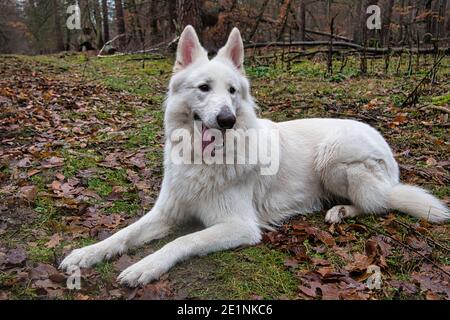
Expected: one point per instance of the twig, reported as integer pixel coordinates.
(413, 94)
(424, 236)
(405, 246)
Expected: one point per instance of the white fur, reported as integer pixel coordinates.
(320, 160)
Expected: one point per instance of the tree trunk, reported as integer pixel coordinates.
(172, 8)
(135, 21)
(120, 22)
(105, 20)
(358, 27)
(98, 25)
(301, 19)
(282, 18)
(189, 13)
(386, 31)
(442, 14)
(58, 32)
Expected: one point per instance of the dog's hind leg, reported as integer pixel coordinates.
(154, 225)
(365, 183)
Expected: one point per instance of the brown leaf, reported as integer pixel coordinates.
(32, 172)
(312, 290)
(54, 241)
(55, 185)
(320, 262)
(420, 245)
(160, 290)
(80, 296)
(29, 193)
(436, 286)
(123, 262)
(16, 256)
(359, 264)
(60, 176)
(57, 278)
(52, 162)
(320, 235)
(330, 291)
(290, 263)
(42, 271)
(23, 163)
(404, 286)
(4, 295)
(325, 271)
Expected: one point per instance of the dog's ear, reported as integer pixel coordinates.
(234, 50)
(189, 49)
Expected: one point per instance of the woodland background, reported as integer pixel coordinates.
(81, 141)
(38, 26)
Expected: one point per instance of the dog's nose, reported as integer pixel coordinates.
(226, 119)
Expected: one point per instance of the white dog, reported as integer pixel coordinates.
(319, 160)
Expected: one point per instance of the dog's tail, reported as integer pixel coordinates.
(418, 203)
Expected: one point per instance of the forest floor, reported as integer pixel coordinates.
(81, 157)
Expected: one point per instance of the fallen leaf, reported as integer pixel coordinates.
(29, 193)
(16, 256)
(54, 241)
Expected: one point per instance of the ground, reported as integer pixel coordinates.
(81, 157)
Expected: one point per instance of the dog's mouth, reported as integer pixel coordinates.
(207, 138)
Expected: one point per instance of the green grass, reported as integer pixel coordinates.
(442, 100)
(101, 187)
(251, 271)
(40, 253)
(73, 164)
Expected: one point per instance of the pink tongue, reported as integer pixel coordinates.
(207, 138)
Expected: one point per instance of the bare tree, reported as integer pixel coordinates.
(98, 24)
(57, 22)
(120, 22)
(189, 13)
(301, 19)
(105, 20)
(386, 27)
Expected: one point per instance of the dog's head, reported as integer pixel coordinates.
(215, 92)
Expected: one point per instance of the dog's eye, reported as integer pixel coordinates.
(232, 90)
(204, 87)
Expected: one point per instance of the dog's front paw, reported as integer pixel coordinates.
(142, 272)
(85, 257)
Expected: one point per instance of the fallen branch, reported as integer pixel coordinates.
(325, 34)
(344, 44)
(108, 43)
(155, 48)
(439, 108)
